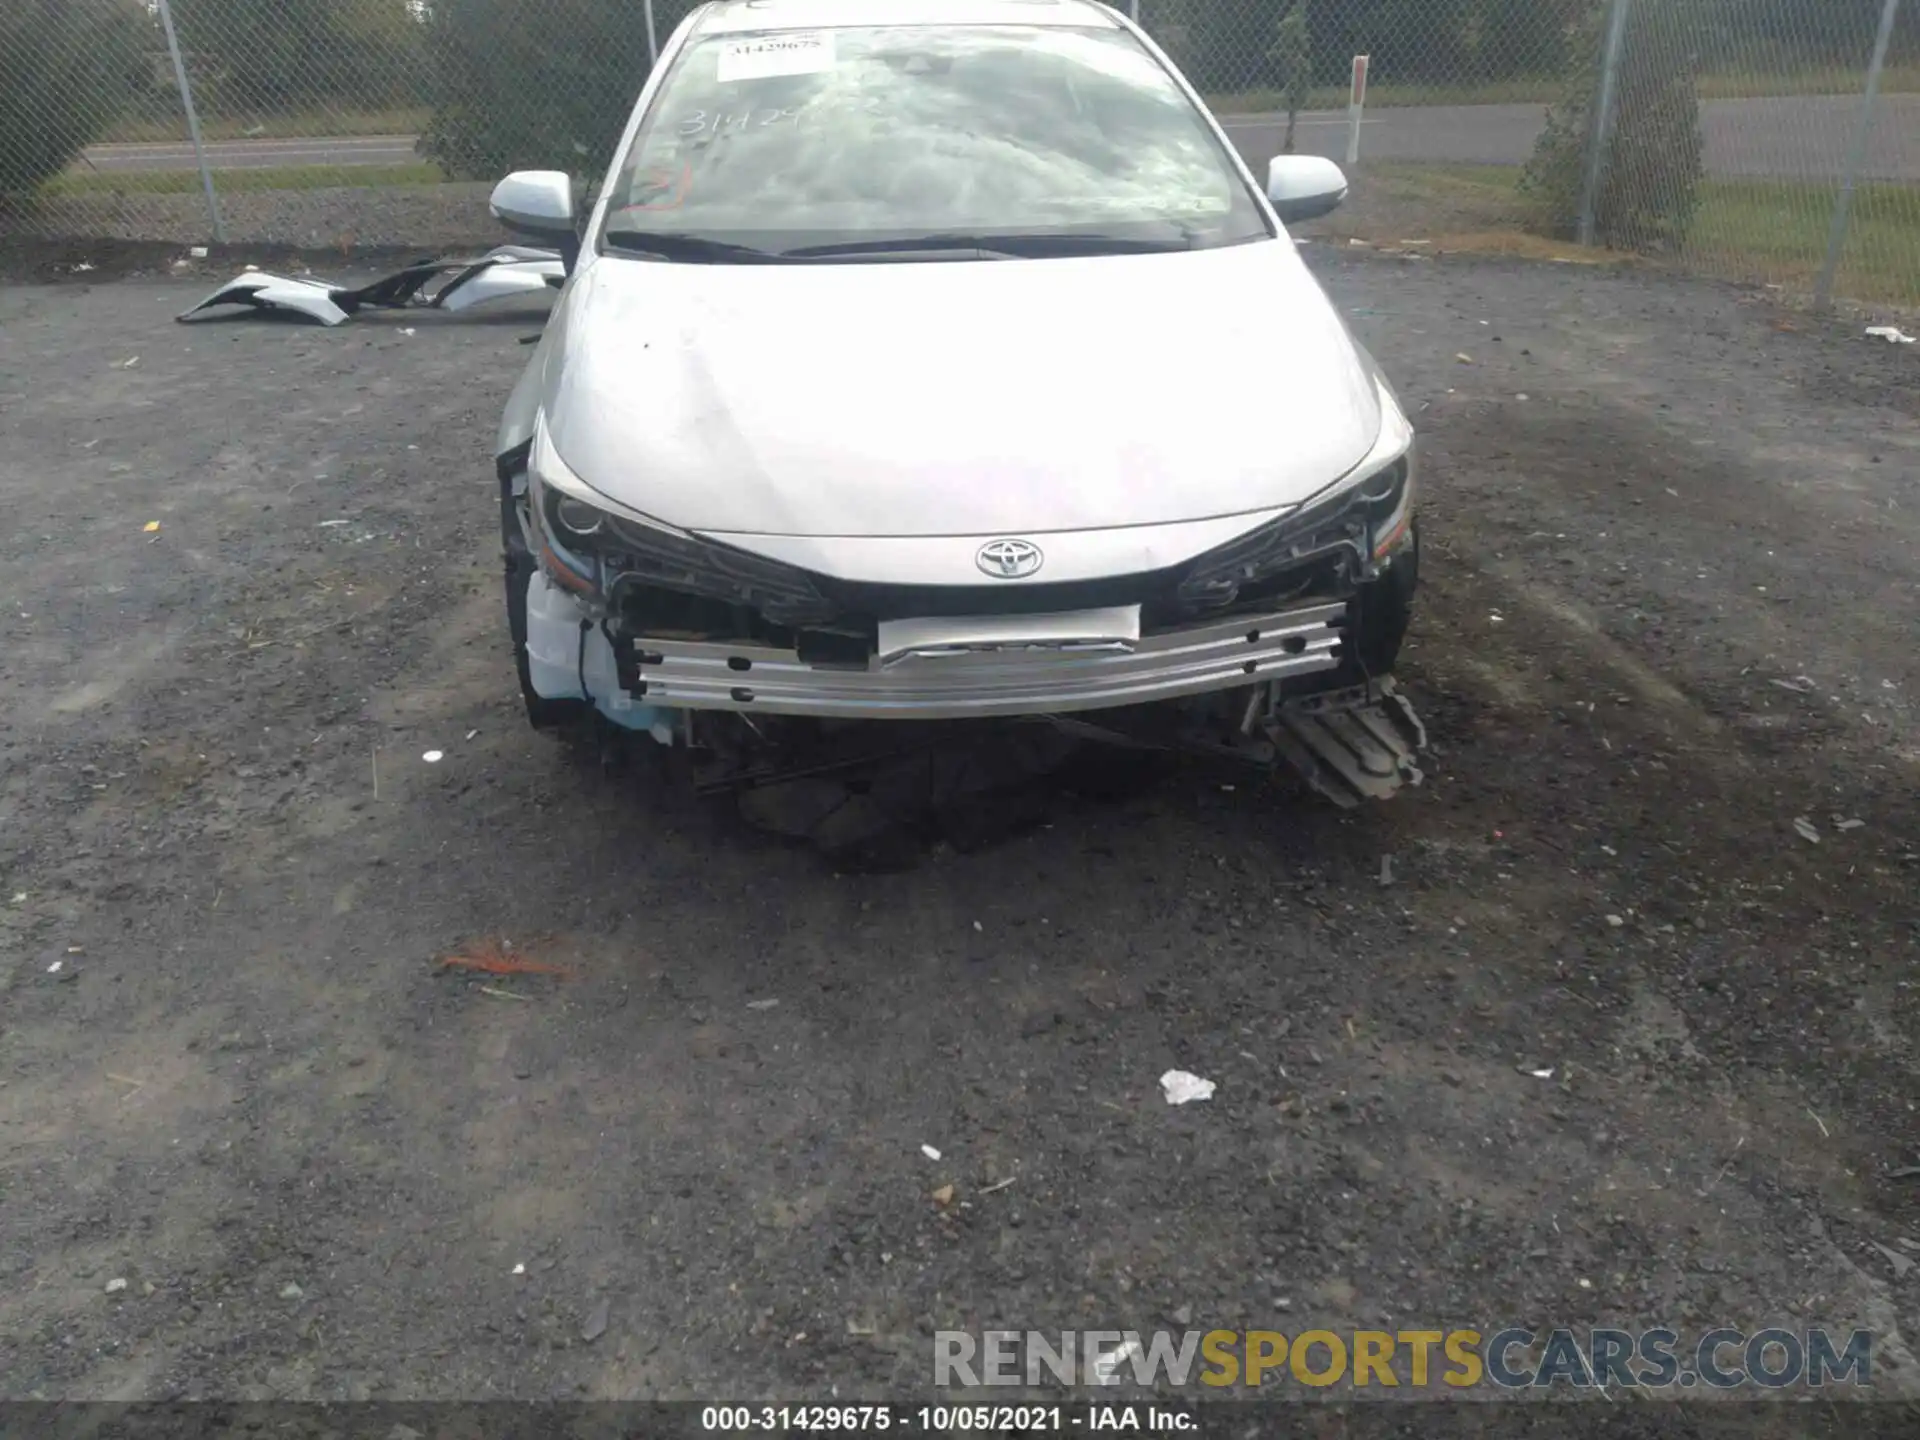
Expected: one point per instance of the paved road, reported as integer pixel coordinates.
(344, 150)
(1802, 137)
(1799, 137)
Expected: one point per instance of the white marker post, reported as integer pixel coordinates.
(1356, 104)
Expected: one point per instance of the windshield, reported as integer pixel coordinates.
(864, 135)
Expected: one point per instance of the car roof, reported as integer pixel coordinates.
(726, 17)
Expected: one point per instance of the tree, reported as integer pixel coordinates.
(272, 56)
(67, 70)
(1651, 169)
(536, 83)
(1293, 53)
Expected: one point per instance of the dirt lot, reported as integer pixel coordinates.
(1671, 588)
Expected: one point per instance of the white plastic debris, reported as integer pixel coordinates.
(1182, 1086)
(1892, 334)
(329, 524)
(433, 757)
(1901, 1264)
(198, 252)
(929, 1152)
(520, 1269)
(1845, 825)
(761, 1004)
(83, 267)
(472, 733)
(55, 967)
(406, 332)
(1546, 1074)
(116, 1285)
(1805, 829)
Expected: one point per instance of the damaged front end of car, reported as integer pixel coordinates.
(1273, 649)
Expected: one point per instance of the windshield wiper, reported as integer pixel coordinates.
(695, 248)
(1000, 246)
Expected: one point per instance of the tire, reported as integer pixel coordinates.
(519, 565)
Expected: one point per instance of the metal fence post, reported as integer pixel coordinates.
(193, 122)
(1600, 133)
(1356, 107)
(1856, 160)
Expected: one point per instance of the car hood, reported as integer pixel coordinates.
(955, 398)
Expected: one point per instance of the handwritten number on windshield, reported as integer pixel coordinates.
(702, 122)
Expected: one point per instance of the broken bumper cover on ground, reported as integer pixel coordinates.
(1006, 666)
(502, 273)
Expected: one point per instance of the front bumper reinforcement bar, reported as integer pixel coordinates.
(1036, 679)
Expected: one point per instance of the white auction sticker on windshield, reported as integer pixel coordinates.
(761, 57)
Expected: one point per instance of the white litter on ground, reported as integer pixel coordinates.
(1892, 334)
(432, 757)
(929, 1152)
(1181, 1086)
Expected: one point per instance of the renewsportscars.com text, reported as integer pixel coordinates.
(1509, 1358)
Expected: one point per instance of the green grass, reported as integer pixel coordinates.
(1897, 79)
(1778, 230)
(1486, 193)
(173, 128)
(232, 182)
(1764, 230)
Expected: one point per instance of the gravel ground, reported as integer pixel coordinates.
(1670, 582)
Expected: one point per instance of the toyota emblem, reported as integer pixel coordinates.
(1009, 559)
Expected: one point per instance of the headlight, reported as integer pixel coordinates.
(613, 547)
(1365, 514)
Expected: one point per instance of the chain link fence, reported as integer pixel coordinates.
(1775, 141)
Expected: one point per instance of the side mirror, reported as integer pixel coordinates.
(1304, 187)
(535, 202)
